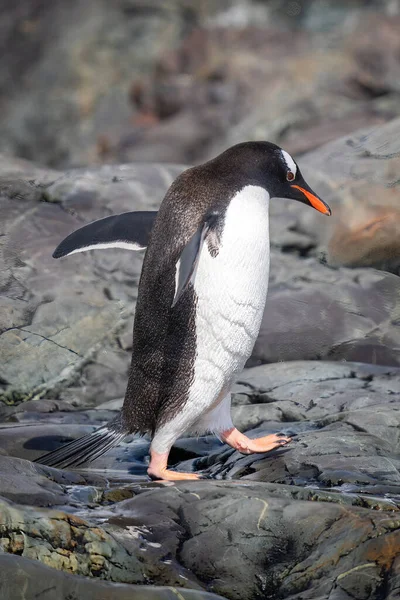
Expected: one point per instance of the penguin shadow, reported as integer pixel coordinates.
(46, 443)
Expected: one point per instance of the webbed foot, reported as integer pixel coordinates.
(246, 445)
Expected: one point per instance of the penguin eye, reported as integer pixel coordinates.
(290, 175)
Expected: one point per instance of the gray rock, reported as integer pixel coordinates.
(65, 541)
(245, 542)
(24, 579)
(236, 539)
(27, 483)
(57, 316)
(314, 312)
(83, 60)
(344, 418)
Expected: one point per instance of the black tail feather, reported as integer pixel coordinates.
(84, 449)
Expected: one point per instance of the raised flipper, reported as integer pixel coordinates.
(189, 259)
(129, 230)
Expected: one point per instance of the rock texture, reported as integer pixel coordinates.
(55, 316)
(241, 540)
(24, 579)
(358, 176)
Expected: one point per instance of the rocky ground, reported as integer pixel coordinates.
(316, 519)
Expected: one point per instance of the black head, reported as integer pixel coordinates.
(267, 165)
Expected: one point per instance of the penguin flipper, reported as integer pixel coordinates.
(83, 450)
(129, 230)
(188, 261)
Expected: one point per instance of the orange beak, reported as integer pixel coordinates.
(314, 201)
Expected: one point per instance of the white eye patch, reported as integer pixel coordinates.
(291, 165)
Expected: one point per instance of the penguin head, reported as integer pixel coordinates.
(269, 166)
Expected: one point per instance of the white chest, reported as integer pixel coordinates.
(231, 289)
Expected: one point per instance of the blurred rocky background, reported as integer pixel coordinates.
(91, 81)
(102, 104)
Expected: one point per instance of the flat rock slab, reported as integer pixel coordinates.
(314, 312)
(37, 485)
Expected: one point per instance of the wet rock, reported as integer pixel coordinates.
(343, 417)
(24, 482)
(244, 542)
(236, 539)
(24, 579)
(66, 542)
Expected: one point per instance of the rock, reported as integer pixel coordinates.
(24, 482)
(272, 542)
(344, 418)
(81, 72)
(313, 312)
(357, 176)
(68, 543)
(60, 319)
(24, 579)
(376, 49)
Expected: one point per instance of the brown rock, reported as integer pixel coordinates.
(358, 177)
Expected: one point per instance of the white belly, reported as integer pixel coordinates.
(231, 290)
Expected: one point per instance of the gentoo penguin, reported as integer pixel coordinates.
(201, 299)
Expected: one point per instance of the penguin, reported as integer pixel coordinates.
(201, 299)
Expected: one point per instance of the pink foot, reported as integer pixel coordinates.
(158, 469)
(245, 445)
